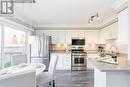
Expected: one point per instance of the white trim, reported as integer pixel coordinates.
(109, 21)
(1, 47)
(120, 5)
(2, 44)
(10, 23)
(66, 28)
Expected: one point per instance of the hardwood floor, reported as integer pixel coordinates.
(74, 78)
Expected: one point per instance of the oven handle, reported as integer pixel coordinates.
(78, 56)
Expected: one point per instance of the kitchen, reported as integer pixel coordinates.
(78, 33)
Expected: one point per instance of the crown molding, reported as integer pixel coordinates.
(109, 21)
(29, 27)
(18, 21)
(66, 25)
(120, 5)
(14, 22)
(66, 28)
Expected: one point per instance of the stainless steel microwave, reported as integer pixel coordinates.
(78, 41)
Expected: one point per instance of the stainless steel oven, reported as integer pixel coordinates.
(79, 60)
(78, 55)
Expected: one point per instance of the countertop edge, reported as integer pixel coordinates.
(105, 67)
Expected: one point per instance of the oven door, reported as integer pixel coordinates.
(78, 61)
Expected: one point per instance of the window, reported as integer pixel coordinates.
(13, 37)
(14, 43)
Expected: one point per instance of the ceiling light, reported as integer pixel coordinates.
(93, 17)
(98, 17)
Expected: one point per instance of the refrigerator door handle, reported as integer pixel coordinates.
(39, 46)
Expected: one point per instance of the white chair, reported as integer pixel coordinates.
(18, 59)
(47, 77)
(22, 79)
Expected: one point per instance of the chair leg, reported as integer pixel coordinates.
(53, 83)
(50, 83)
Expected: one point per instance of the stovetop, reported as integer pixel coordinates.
(78, 52)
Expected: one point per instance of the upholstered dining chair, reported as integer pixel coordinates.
(48, 77)
(18, 59)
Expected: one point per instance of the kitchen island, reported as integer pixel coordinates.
(110, 75)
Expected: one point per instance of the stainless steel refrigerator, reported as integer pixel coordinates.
(40, 48)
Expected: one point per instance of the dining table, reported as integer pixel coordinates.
(23, 67)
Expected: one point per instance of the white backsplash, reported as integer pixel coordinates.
(122, 48)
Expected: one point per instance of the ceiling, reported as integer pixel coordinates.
(45, 13)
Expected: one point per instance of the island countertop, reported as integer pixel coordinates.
(123, 65)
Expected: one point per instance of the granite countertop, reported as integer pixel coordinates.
(64, 51)
(60, 51)
(123, 65)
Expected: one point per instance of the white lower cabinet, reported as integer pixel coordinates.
(64, 61)
(67, 61)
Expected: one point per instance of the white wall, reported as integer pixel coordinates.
(123, 31)
(123, 27)
(129, 30)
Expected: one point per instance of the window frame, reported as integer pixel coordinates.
(2, 33)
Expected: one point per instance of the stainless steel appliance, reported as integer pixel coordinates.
(78, 41)
(78, 58)
(40, 49)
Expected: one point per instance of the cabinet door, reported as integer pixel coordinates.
(123, 27)
(54, 34)
(102, 36)
(115, 30)
(74, 34)
(68, 37)
(59, 65)
(92, 36)
(67, 61)
(108, 32)
(64, 61)
(61, 37)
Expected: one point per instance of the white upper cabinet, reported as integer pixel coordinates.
(68, 37)
(123, 27)
(92, 36)
(114, 30)
(109, 32)
(65, 36)
(60, 37)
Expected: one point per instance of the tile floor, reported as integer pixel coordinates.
(74, 79)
